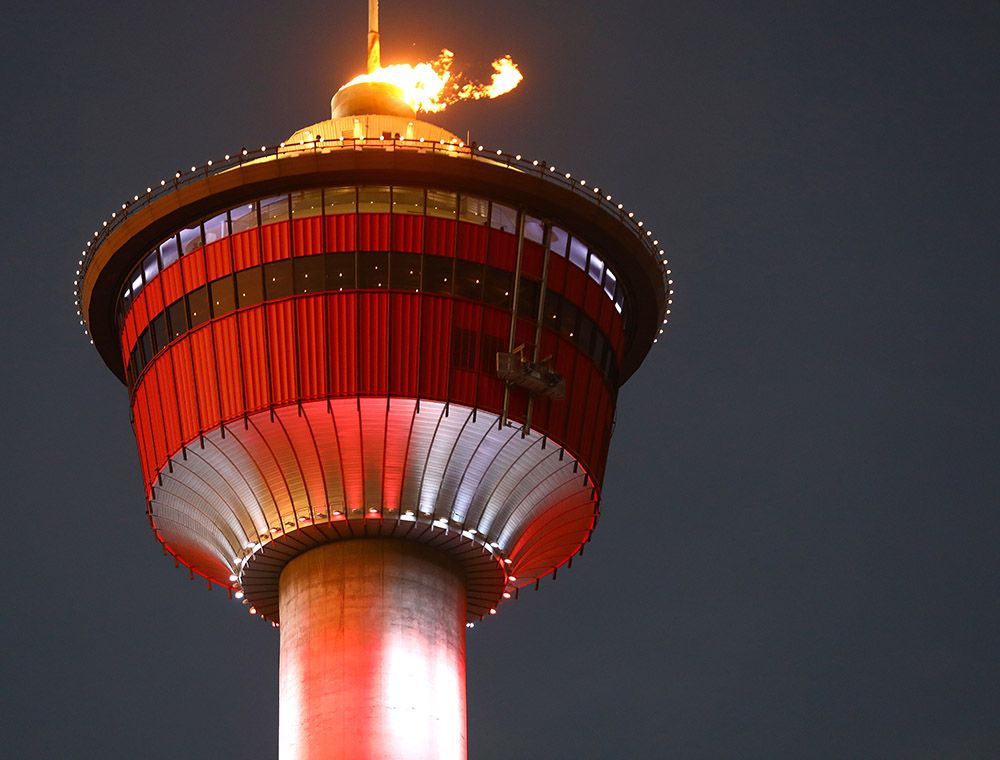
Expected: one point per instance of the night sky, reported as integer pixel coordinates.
(798, 549)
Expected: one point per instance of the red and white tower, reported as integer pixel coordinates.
(372, 373)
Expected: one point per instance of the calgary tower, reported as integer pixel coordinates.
(372, 373)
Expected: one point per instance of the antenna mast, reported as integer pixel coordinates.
(374, 58)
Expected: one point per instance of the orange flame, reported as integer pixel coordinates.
(431, 86)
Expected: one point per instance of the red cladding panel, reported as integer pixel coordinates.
(531, 260)
(407, 233)
(203, 356)
(217, 260)
(275, 241)
(187, 397)
(404, 341)
(503, 250)
(342, 328)
(154, 298)
(311, 341)
(130, 335)
(246, 249)
(173, 286)
(340, 232)
(193, 270)
(168, 402)
(473, 241)
(440, 237)
(307, 235)
(251, 330)
(435, 345)
(281, 351)
(373, 232)
(228, 364)
(373, 328)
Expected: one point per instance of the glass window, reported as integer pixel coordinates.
(136, 281)
(340, 271)
(527, 299)
(339, 200)
(373, 270)
(274, 209)
(497, 287)
(308, 272)
(307, 203)
(216, 228)
(468, 279)
(404, 271)
(408, 200)
(161, 336)
(584, 334)
(474, 210)
(569, 315)
(150, 267)
(557, 241)
(249, 287)
(619, 299)
(609, 283)
(191, 239)
(441, 203)
(223, 296)
(135, 362)
(278, 279)
(177, 314)
(243, 217)
(578, 254)
(373, 199)
(146, 342)
(503, 218)
(169, 252)
(596, 269)
(533, 229)
(438, 276)
(197, 302)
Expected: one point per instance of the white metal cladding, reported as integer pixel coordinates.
(224, 498)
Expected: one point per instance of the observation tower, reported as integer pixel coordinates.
(372, 374)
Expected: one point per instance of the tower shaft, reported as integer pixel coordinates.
(372, 653)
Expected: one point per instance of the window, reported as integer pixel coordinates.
(373, 199)
(243, 217)
(557, 241)
(578, 254)
(274, 209)
(503, 218)
(442, 204)
(408, 200)
(150, 267)
(340, 200)
(527, 299)
(249, 287)
(146, 342)
(169, 252)
(307, 203)
(596, 268)
(534, 230)
(198, 306)
(498, 288)
(619, 300)
(308, 272)
(222, 295)
(136, 281)
(474, 210)
(191, 239)
(159, 329)
(609, 283)
(216, 228)
(340, 271)
(438, 276)
(373, 270)
(404, 271)
(177, 316)
(468, 279)
(278, 279)
(463, 349)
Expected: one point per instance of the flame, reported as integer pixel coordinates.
(431, 86)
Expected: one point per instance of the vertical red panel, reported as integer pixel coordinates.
(473, 241)
(373, 232)
(168, 403)
(465, 318)
(217, 260)
(435, 346)
(307, 235)
(440, 237)
(340, 231)
(576, 282)
(407, 233)
(154, 298)
(173, 285)
(311, 342)
(531, 260)
(503, 250)
(140, 418)
(154, 421)
(246, 249)
(227, 361)
(130, 335)
(275, 241)
(281, 351)
(193, 270)
(495, 334)
(251, 327)
(404, 339)
(205, 377)
(373, 328)
(342, 328)
(187, 398)
(139, 312)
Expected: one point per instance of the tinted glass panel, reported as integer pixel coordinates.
(150, 266)
(340, 271)
(223, 296)
(609, 283)
(373, 199)
(474, 210)
(278, 279)
(503, 218)
(274, 209)
(527, 299)
(408, 200)
(159, 329)
(177, 314)
(308, 274)
(136, 282)
(216, 228)
(191, 239)
(533, 229)
(169, 252)
(442, 204)
(557, 241)
(578, 254)
(373, 270)
(249, 287)
(198, 306)
(339, 200)
(146, 343)
(468, 279)
(498, 286)
(243, 217)
(307, 203)
(596, 270)
(437, 274)
(404, 271)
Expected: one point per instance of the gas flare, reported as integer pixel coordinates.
(432, 86)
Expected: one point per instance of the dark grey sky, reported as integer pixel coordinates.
(798, 550)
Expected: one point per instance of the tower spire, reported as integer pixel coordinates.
(374, 58)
